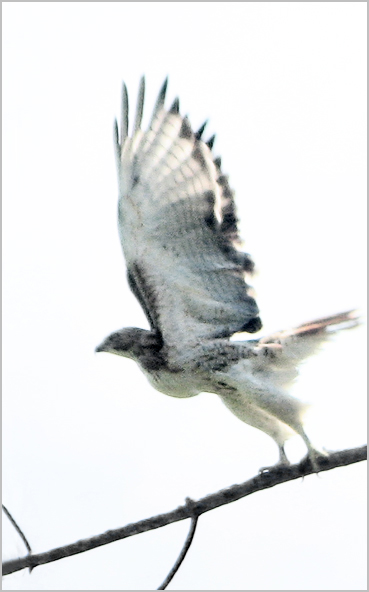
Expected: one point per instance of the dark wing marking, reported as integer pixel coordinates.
(229, 223)
(145, 294)
(210, 142)
(200, 131)
(178, 229)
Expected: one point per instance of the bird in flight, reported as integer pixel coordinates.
(178, 229)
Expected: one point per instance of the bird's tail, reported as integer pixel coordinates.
(325, 325)
(285, 350)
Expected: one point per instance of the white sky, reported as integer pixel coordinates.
(88, 444)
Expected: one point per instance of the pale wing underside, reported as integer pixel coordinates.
(178, 230)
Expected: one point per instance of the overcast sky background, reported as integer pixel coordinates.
(88, 444)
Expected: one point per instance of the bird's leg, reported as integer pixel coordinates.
(283, 461)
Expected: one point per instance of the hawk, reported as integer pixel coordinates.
(179, 234)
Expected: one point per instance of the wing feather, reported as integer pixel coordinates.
(124, 116)
(178, 226)
(140, 104)
(160, 100)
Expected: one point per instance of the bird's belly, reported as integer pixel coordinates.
(174, 384)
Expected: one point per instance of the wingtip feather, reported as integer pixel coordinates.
(175, 106)
(124, 115)
(210, 142)
(140, 104)
(161, 98)
(200, 131)
(116, 135)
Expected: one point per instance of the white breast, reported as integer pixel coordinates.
(181, 384)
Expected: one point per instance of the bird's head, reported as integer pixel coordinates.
(130, 342)
(122, 343)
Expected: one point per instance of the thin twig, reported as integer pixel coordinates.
(262, 481)
(183, 552)
(17, 528)
(19, 531)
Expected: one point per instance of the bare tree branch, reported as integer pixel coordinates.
(185, 548)
(264, 480)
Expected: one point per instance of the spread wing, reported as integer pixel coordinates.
(178, 229)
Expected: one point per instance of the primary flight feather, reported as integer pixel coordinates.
(178, 230)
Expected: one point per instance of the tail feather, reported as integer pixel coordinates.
(319, 326)
(283, 351)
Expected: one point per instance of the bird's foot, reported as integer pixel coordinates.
(283, 462)
(315, 459)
